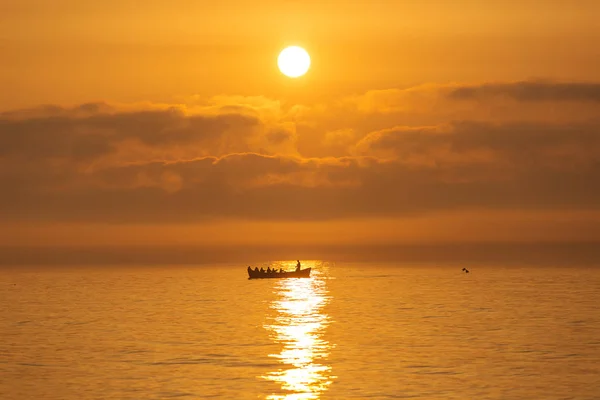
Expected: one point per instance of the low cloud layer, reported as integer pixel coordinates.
(530, 91)
(381, 154)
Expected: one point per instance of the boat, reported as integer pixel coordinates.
(303, 273)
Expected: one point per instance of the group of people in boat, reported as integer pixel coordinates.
(272, 271)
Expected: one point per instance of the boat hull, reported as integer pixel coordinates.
(303, 273)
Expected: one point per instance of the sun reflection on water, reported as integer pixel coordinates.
(298, 324)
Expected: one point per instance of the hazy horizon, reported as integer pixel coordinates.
(483, 254)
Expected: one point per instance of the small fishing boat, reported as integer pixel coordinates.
(303, 273)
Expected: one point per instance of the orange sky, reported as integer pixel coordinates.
(419, 122)
(73, 51)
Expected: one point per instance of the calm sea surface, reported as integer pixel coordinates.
(351, 331)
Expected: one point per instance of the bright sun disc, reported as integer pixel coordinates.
(293, 61)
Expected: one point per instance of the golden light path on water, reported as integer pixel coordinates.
(298, 324)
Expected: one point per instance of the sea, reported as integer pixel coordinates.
(350, 331)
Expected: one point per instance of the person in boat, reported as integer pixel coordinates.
(298, 265)
(280, 270)
(255, 269)
(269, 270)
(262, 269)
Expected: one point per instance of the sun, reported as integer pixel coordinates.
(293, 61)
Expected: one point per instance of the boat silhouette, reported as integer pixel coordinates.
(253, 274)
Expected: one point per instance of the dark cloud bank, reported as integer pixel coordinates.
(165, 166)
(530, 91)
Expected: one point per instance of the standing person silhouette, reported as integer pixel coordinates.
(298, 265)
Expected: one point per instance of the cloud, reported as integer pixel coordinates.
(339, 138)
(513, 145)
(253, 158)
(253, 186)
(529, 91)
(57, 133)
(489, 102)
